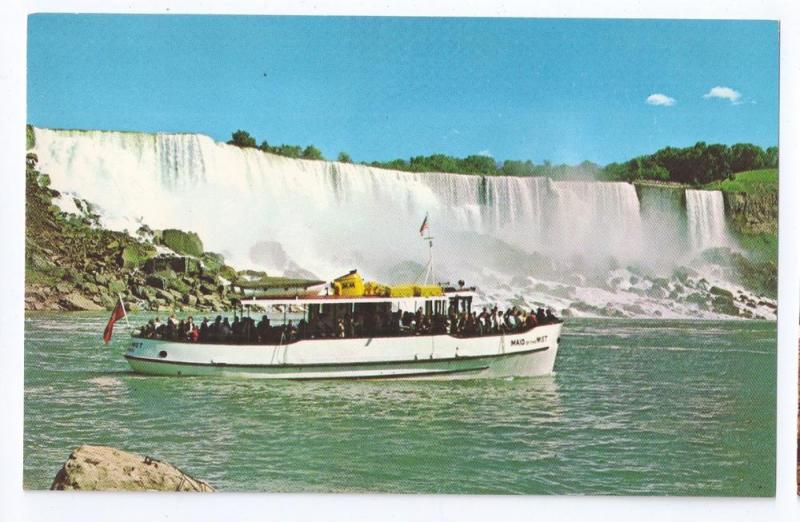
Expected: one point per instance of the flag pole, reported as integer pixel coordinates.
(428, 274)
(429, 239)
(124, 312)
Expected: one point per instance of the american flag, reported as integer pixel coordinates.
(424, 226)
(117, 314)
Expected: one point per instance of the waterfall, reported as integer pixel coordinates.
(705, 211)
(596, 217)
(559, 241)
(271, 212)
(329, 216)
(664, 223)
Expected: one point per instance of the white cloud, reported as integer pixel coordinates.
(726, 93)
(660, 99)
(485, 153)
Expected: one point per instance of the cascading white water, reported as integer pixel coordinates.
(596, 217)
(328, 216)
(509, 235)
(705, 211)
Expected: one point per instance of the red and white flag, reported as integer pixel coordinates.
(117, 314)
(424, 226)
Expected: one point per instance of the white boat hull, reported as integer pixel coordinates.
(523, 354)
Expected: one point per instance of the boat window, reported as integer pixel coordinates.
(313, 311)
(363, 308)
(336, 310)
(461, 304)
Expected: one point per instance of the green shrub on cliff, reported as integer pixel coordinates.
(30, 137)
(135, 254)
(116, 287)
(178, 285)
(212, 261)
(311, 152)
(242, 138)
(187, 243)
(228, 272)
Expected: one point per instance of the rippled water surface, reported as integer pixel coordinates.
(635, 407)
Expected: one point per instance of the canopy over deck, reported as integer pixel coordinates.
(272, 283)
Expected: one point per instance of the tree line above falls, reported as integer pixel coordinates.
(699, 164)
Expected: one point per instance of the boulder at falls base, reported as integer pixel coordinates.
(103, 468)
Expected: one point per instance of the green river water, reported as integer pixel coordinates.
(634, 407)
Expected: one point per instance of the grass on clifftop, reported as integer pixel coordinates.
(750, 181)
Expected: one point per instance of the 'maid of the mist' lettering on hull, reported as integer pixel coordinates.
(525, 342)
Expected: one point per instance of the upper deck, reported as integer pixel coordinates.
(350, 293)
(467, 294)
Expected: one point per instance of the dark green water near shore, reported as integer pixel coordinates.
(635, 407)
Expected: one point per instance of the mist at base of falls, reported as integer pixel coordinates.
(518, 239)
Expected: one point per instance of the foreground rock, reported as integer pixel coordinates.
(103, 468)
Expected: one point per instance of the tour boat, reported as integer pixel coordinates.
(377, 349)
(403, 353)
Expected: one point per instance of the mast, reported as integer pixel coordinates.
(429, 270)
(124, 312)
(426, 229)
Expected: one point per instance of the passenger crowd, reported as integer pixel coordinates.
(245, 330)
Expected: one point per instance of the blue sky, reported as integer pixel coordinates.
(382, 88)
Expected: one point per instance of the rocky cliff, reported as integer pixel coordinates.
(752, 213)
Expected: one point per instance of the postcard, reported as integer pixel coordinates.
(511, 256)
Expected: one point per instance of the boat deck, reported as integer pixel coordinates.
(281, 339)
